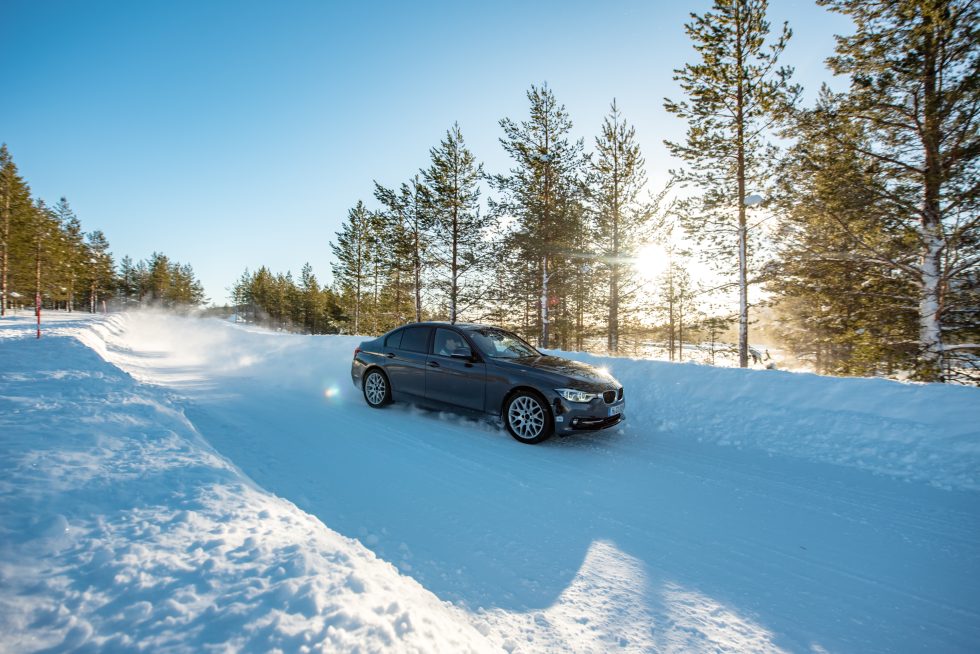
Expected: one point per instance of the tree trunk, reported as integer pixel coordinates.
(6, 246)
(613, 339)
(376, 311)
(454, 268)
(417, 265)
(544, 301)
(680, 328)
(670, 314)
(37, 286)
(743, 291)
(546, 240)
(931, 228)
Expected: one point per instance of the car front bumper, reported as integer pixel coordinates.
(574, 417)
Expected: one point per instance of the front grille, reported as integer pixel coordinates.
(609, 397)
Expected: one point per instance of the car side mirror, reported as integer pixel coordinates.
(462, 353)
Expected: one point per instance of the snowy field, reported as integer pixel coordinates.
(172, 484)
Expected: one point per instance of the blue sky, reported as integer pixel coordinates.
(234, 134)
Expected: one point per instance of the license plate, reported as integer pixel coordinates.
(615, 411)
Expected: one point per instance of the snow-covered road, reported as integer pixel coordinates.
(735, 511)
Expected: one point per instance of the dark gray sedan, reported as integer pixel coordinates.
(484, 370)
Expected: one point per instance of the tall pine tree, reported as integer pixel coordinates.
(623, 222)
(461, 242)
(16, 213)
(543, 193)
(734, 94)
(352, 265)
(914, 67)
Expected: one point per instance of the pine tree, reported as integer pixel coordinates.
(142, 280)
(312, 299)
(16, 212)
(914, 67)
(352, 251)
(128, 287)
(158, 277)
(542, 192)
(190, 291)
(735, 93)
(623, 222)
(460, 241)
(241, 297)
(74, 251)
(101, 269)
(845, 292)
(393, 246)
(411, 207)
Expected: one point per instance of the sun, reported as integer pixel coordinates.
(650, 261)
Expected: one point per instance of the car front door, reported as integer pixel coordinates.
(406, 358)
(454, 380)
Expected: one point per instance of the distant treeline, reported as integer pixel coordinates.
(277, 301)
(47, 259)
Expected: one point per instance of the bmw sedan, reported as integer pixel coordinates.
(484, 370)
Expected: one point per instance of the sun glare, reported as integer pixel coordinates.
(650, 261)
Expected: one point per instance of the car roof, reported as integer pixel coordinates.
(443, 323)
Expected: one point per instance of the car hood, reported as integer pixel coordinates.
(563, 368)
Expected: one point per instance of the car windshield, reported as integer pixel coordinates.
(498, 344)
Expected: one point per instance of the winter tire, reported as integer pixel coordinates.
(527, 418)
(377, 389)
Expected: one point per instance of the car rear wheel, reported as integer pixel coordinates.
(527, 418)
(377, 390)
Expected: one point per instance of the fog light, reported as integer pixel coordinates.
(574, 421)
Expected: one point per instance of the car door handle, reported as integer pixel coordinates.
(390, 355)
(433, 364)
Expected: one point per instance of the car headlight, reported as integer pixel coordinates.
(573, 395)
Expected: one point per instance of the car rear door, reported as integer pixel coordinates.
(460, 382)
(406, 359)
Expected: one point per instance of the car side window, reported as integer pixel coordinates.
(415, 339)
(447, 341)
(394, 339)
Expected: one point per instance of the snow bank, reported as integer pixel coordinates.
(922, 432)
(121, 528)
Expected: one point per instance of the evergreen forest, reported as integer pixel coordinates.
(48, 261)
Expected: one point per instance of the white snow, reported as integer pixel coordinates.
(188, 485)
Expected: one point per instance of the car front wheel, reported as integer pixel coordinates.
(377, 390)
(527, 418)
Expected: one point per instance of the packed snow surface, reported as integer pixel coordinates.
(174, 484)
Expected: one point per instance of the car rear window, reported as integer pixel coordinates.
(415, 339)
(394, 339)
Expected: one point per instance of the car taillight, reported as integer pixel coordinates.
(357, 351)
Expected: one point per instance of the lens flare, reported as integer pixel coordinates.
(331, 392)
(650, 261)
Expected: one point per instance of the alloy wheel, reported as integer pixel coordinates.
(375, 388)
(526, 417)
